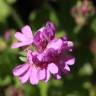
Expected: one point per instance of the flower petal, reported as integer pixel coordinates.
(19, 36)
(27, 31)
(49, 31)
(58, 76)
(20, 44)
(47, 75)
(53, 68)
(41, 74)
(25, 76)
(20, 69)
(55, 44)
(70, 61)
(29, 56)
(66, 68)
(40, 56)
(41, 29)
(51, 25)
(33, 76)
(70, 44)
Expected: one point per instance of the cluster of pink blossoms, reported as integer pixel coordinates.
(50, 55)
(82, 11)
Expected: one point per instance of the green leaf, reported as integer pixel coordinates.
(93, 25)
(11, 1)
(32, 16)
(4, 10)
(53, 17)
(86, 70)
(24, 59)
(23, 53)
(5, 81)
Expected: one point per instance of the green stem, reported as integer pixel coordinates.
(77, 29)
(43, 89)
(15, 16)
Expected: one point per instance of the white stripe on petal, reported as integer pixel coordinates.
(47, 76)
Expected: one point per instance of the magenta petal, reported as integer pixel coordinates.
(67, 68)
(41, 29)
(53, 68)
(47, 76)
(41, 74)
(20, 44)
(70, 44)
(40, 56)
(58, 76)
(33, 76)
(27, 31)
(70, 61)
(19, 36)
(17, 71)
(17, 45)
(25, 76)
(55, 44)
(29, 56)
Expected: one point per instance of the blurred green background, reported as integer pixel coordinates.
(14, 14)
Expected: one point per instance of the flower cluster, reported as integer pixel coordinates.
(50, 55)
(82, 11)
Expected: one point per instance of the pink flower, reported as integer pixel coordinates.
(56, 53)
(7, 36)
(32, 72)
(49, 57)
(25, 38)
(44, 35)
